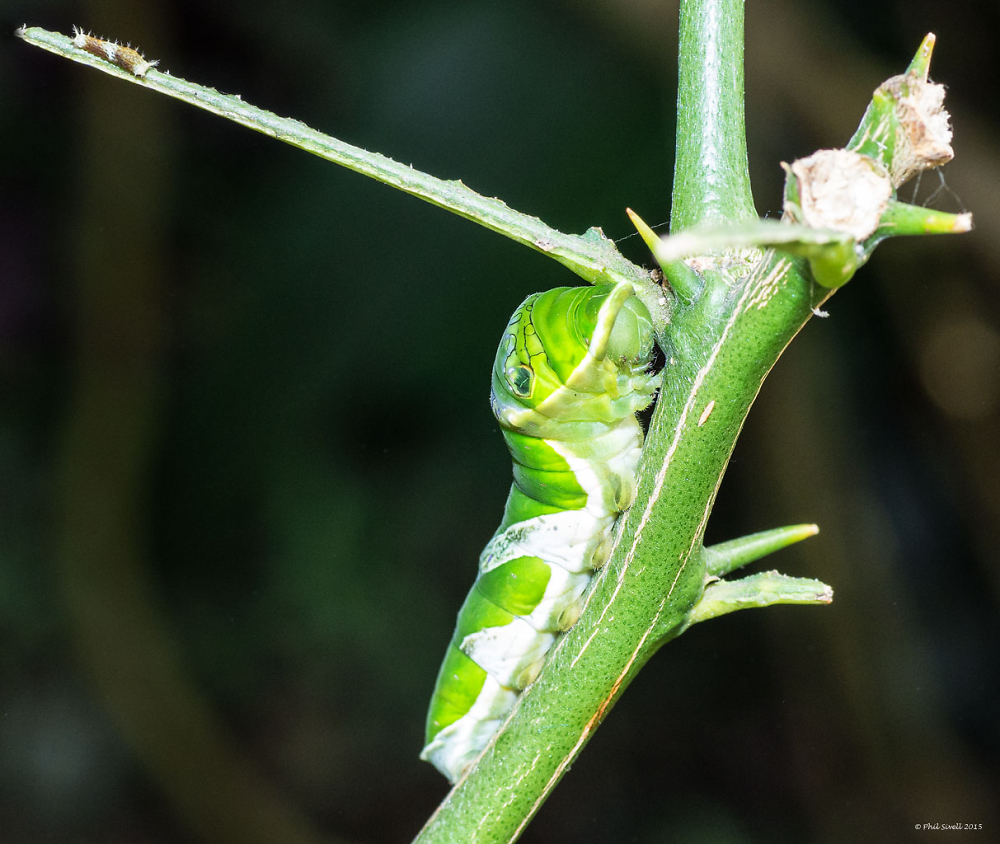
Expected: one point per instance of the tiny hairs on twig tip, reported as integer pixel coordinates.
(124, 57)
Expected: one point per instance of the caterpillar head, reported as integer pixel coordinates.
(574, 354)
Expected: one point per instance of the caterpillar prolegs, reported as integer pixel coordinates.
(569, 376)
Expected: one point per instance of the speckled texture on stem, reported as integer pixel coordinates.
(711, 176)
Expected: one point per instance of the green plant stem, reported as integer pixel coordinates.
(711, 176)
(656, 572)
(727, 331)
(592, 256)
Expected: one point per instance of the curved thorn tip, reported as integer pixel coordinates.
(648, 236)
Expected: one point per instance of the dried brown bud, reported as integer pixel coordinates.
(839, 190)
(923, 137)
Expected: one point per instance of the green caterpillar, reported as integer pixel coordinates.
(568, 379)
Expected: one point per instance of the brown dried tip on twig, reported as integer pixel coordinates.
(923, 139)
(840, 190)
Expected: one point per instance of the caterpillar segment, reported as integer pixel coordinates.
(568, 378)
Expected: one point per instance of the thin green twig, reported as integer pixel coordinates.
(592, 255)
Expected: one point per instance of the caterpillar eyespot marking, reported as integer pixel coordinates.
(125, 57)
(569, 376)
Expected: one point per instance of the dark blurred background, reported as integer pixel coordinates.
(247, 461)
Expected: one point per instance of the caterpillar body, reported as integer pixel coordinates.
(120, 55)
(568, 378)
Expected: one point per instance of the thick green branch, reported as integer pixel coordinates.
(726, 334)
(711, 177)
(656, 572)
(591, 256)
